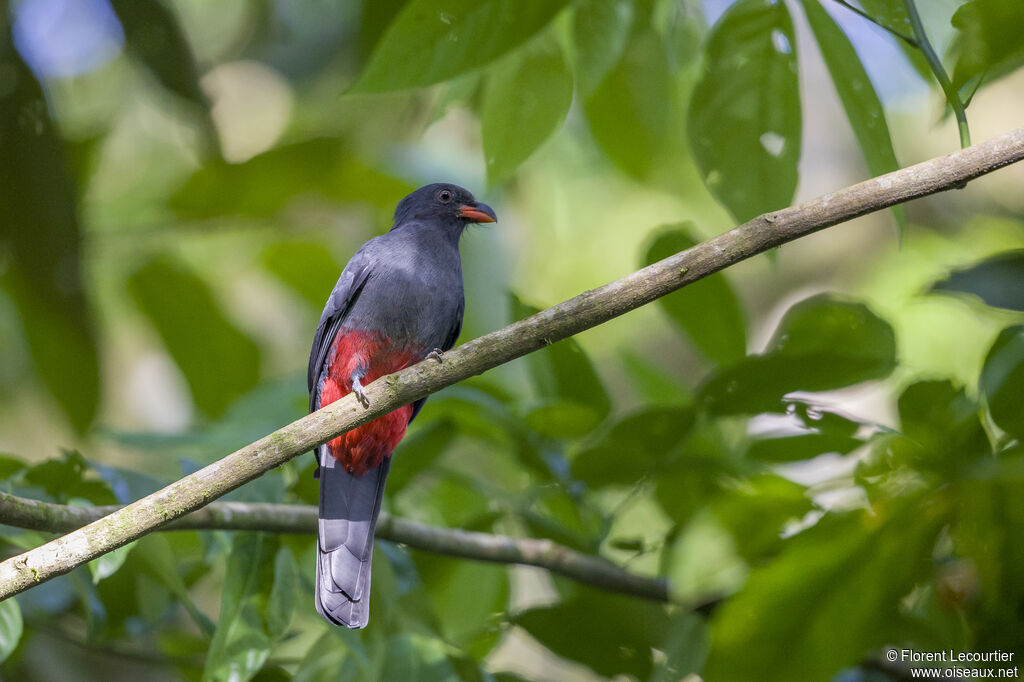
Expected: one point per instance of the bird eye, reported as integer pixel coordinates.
(444, 195)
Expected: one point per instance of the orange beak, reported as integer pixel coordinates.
(477, 213)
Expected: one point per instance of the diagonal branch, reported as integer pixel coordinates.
(587, 310)
(22, 512)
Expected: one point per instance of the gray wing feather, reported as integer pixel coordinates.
(350, 284)
(449, 342)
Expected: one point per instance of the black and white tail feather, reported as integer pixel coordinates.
(349, 506)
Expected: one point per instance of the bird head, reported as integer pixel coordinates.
(445, 202)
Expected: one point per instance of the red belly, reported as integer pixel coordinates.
(365, 447)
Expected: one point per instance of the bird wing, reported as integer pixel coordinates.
(350, 284)
(449, 342)
(456, 329)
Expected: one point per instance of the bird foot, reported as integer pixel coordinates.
(436, 354)
(357, 388)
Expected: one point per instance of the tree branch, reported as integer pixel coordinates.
(22, 512)
(587, 310)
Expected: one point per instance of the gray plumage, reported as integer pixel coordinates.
(405, 285)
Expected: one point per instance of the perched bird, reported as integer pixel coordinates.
(398, 301)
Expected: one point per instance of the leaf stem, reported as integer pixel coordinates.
(952, 97)
(909, 40)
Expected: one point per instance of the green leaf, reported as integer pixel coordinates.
(435, 40)
(998, 281)
(744, 118)
(637, 445)
(10, 627)
(254, 608)
(160, 562)
(943, 423)
(468, 619)
(892, 14)
(374, 18)
(412, 656)
(822, 343)
(306, 267)
(707, 310)
(561, 419)
(525, 100)
(986, 535)
(601, 29)
(127, 485)
(41, 243)
(219, 362)
(852, 571)
(329, 658)
(554, 514)
(629, 110)
(562, 370)
(608, 633)
(108, 564)
(653, 384)
(424, 445)
(153, 36)
(990, 41)
(757, 511)
(1002, 381)
(283, 592)
(685, 647)
(801, 446)
(863, 108)
(10, 465)
(696, 475)
(67, 478)
(268, 182)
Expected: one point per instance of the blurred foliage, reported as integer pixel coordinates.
(160, 283)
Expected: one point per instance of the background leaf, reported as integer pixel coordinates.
(11, 627)
(863, 108)
(601, 29)
(40, 239)
(219, 362)
(624, 649)
(432, 40)
(562, 370)
(108, 564)
(707, 310)
(989, 42)
(628, 111)
(821, 343)
(268, 182)
(307, 268)
(635, 446)
(943, 423)
(255, 608)
(893, 14)
(998, 281)
(744, 118)
(1002, 380)
(833, 615)
(525, 100)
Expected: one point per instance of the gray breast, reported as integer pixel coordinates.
(414, 291)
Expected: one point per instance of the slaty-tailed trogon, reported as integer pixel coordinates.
(397, 301)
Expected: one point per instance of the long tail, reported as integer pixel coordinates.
(349, 506)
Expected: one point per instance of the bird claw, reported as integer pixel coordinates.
(357, 388)
(436, 354)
